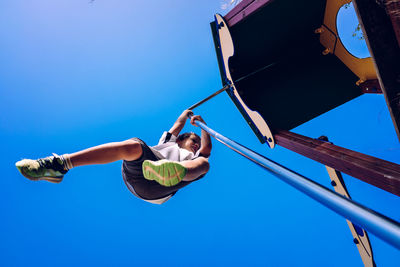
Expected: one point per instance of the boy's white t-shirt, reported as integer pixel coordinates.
(167, 148)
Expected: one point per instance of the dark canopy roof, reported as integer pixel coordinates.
(301, 83)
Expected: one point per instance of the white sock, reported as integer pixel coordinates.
(68, 163)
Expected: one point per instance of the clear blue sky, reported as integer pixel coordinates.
(74, 74)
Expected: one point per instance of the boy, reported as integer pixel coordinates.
(153, 174)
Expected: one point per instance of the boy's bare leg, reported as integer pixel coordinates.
(195, 168)
(106, 153)
(53, 168)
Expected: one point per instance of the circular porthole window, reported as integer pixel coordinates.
(350, 32)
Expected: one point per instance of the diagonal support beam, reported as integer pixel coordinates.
(361, 239)
(377, 172)
(226, 87)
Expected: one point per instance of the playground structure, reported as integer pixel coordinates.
(283, 55)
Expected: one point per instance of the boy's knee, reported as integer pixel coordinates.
(131, 150)
(204, 163)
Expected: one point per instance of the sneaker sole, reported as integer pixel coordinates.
(164, 173)
(55, 180)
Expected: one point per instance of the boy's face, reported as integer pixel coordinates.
(191, 143)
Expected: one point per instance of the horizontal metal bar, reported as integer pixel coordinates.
(377, 224)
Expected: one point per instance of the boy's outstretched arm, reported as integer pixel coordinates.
(206, 146)
(180, 122)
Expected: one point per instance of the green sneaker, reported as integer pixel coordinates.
(164, 172)
(51, 169)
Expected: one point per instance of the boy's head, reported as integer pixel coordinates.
(189, 141)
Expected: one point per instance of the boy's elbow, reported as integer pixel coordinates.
(205, 152)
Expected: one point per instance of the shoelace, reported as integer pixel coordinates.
(51, 163)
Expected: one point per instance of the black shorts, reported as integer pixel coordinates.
(143, 188)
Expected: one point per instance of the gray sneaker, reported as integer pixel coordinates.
(51, 169)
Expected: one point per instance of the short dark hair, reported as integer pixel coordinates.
(184, 136)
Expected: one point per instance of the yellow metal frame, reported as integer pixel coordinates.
(329, 38)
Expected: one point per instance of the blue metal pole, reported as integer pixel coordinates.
(375, 223)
